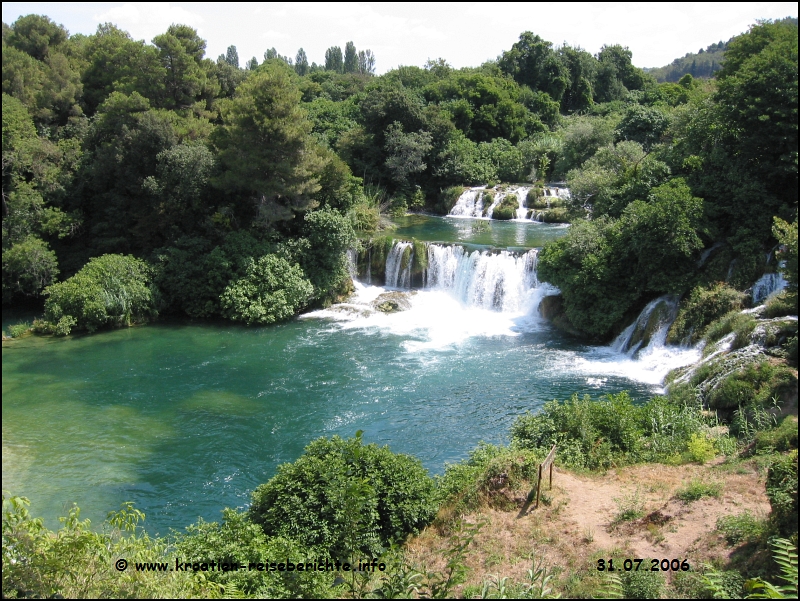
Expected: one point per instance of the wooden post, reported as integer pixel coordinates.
(538, 487)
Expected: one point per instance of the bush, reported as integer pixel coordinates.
(696, 490)
(744, 527)
(609, 431)
(19, 329)
(271, 290)
(782, 493)
(700, 308)
(781, 439)
(642, 584)
(447, 199)
(781, 304)
(346, 497)
(112, 290)
(734, 321)
(241, 541)
(507, 209)
(465, 485)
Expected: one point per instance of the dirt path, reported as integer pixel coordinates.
(577, 522)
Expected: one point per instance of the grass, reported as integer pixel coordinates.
(698, 489)
(630, 507)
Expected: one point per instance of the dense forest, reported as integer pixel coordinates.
(226, 191)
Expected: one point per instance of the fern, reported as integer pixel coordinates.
(785, 555)
(611, 588)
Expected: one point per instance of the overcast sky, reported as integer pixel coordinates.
(465, 34)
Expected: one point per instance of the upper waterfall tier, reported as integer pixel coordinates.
(481, 202)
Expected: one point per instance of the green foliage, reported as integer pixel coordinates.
(608, 431)
(77, 561)
(742, 527)
(786, 233)
(782, 493)
(602, 267)
(700, 448)
(19, 329)
(507, 208)
(28, 267)
(238, 540)
(697, 489)
(781, 439)
(265, 147)
(346, 497)
(329, 235)
(703, 306)
(785, 555)
(489, 468)
(112, 290)
(642, 584)
(271, 290)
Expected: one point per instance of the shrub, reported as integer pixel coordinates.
(782, 438)
(781, 304)
(447, 199)
(608, 431)
(17, 330)
(507, 209)
(241, 541)
(271, 290)
(346, 497)
(112, 290)
(744, 527)
(700, 308)
(696, 490)
(642, 584)
(782, 493)
(734, 321)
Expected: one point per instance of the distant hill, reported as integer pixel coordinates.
(703, 64)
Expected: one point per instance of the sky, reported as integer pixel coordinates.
(465, 34)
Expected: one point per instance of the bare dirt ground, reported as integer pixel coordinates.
(578, 523)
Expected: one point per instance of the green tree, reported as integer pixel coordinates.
(181, 53)
(232, 56)
(28, 267)
(406, 152)
(350, 64)
(271, 290)
(266, 149)
(301, 63)
(533, 62)
(392, 495)
(333, 59)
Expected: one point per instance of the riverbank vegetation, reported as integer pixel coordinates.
(204, 168)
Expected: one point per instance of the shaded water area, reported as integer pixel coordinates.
(187, 418)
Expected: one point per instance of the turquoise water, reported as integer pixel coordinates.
(499, 234)
(186, 418)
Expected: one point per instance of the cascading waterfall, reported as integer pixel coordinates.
(650, 328)
(397, 274)
(469, 204)
(500, 281)
(767, 285)
(472, 202)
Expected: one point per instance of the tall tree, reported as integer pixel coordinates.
(333, 59)
(266, 149)
(181, 51)
(232, 57)
(366, 62)
(350, 58)
(301, 62)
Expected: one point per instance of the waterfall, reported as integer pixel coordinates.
(500, 281)
(497, 280)
(650, 328)
(397, 274)
(469, 204)
(767, 285)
